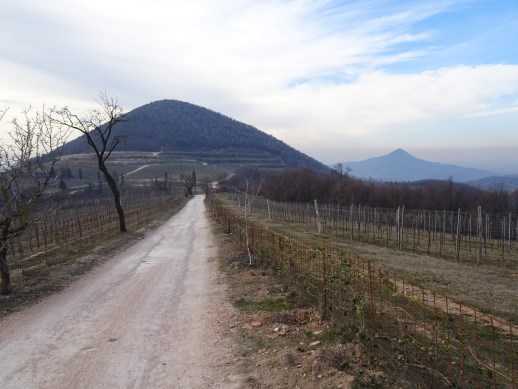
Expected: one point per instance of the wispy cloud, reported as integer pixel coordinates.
(378, 103)
(268, 43)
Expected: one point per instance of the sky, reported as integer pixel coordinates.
(338, 80)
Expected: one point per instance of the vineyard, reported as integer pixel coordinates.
(461, 236)
(434, 340)
(80, 210)
(66, 226)
(137, 167)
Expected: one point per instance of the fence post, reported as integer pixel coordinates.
(371, 299)
(324, 281)
(401, 227)
(457, 235)
(319, 226)
(479, 232)
(351, 215)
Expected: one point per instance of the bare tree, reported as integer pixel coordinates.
(188, 182)
(26, 165)
(341, 170)
(98, 127)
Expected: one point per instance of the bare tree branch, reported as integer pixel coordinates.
(25, 172)
(98, 128)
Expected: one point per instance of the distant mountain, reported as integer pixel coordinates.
(400, 166)
(176, 126)
(509, 181)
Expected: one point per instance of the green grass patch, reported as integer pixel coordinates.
(335, 335)
(267, 305)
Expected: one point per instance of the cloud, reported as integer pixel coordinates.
(450, 107)
(378, 101)
(252, 44)
(317, 74)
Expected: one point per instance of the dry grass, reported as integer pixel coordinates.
(491, 289)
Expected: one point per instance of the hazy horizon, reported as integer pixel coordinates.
(469, 158)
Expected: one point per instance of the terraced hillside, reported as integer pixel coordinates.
(176, 129)
(138, 168)
(230, 158)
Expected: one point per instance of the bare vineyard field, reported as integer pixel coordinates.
(489, 286)
(453, 235)
(78, 222)
(431, 338)
(84, 211)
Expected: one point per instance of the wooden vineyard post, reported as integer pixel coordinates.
(90, 218)
(388, 229)
(429, 232)
(371, 299)
(416, 220)
(443, 235)
(470, 232)
(329, 217)
(324, 281)
(457, 235)
(402, 226)
(351, 211)
(45, 242)
(420, 216)
(336, 219)
(319, 226)
(435, 226)
(479, 232)
(64, 228)
(504, 222)
(489, 232)
(359, 224)
(397, 223)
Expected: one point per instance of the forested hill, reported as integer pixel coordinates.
(171, 125)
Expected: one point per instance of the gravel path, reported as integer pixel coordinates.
(155, 315)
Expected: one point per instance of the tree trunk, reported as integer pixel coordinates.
(120, 212)
(5, 274)
(117, 198)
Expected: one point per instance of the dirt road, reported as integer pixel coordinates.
(155, 316)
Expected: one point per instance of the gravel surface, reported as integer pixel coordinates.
(156, 315)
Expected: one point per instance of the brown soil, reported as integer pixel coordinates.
(286, 345)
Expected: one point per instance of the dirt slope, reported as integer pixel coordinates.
(156, 315)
